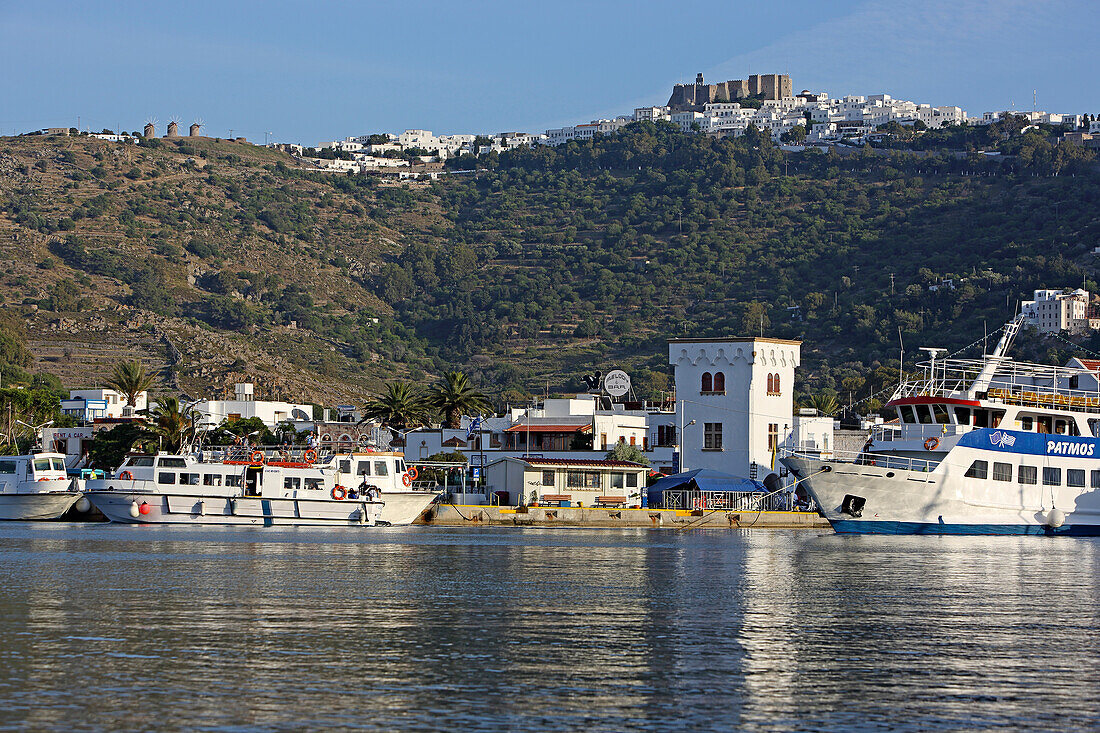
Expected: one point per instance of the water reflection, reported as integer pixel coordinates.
(417, 628)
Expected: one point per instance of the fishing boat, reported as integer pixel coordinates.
(258, 487)
(35, 486)
(976, 446)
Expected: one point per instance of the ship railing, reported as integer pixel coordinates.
(915, 431)
(878, 460)
(734, 501)
(271, 454)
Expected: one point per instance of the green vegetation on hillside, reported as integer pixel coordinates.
(548, 262)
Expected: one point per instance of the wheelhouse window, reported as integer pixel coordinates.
(1027, 475)
(1052, 476)
(962, 415)
(1002, 471)
(140, 461)
(166, 478)
(172, 463)
(364, 468)
(41, 464)
(939, 413)
(58, 464)
(1075, 478)
(924, 415)
(7, 466)
(978, 469)
(381, 469)
(906, 413)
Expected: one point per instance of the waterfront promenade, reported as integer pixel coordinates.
(456, 515)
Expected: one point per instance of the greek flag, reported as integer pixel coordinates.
(475, 427)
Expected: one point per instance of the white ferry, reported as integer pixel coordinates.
(262, 488)
(989, 446)
(35, 486)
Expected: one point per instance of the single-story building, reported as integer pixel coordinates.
(566, 481)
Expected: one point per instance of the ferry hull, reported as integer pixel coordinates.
(35, 506)
(239, 511)
(901, 501)
(405, 507)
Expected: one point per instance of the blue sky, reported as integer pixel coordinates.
(316, 71)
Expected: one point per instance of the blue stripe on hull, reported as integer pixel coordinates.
(851, 526)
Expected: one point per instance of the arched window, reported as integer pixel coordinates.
(719, 382)
(708, 384)
(771, 384)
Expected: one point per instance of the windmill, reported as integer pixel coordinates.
(150, 128)
(173, 127)
(195, 128)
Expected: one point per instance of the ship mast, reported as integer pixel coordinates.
(993, 361)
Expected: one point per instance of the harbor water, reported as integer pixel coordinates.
(106, 627)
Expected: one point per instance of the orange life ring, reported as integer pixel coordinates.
(406, 479)
(258, 456)
(932, 444)
(413, 473)
(43, 479)
(126, 476)
(339, 493)
(310, 455)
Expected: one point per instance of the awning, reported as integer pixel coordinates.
(523, 428)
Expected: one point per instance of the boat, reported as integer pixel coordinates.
(261, 487)
(35, 486)
(975, 446)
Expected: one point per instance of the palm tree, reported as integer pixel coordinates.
(401, 406)
(170, 422)
(130, 379)
(453, 396)
(824, 403)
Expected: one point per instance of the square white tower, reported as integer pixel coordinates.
(734, 401)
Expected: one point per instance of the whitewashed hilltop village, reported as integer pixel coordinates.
(724, 109)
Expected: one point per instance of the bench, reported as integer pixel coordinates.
(610, 500)
(554, 499)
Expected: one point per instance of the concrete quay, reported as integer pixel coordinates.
(459, 515)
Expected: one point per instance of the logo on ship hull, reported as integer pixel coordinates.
(1001, 439)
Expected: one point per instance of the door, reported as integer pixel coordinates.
(253, 480)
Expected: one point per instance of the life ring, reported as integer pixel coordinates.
(310, 456)
(412, 473)
(339, 493)
(258, 456)
(406, 479)
(932, 444)
(43, 479)
(126, 476)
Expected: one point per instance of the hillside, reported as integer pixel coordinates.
(221, 261)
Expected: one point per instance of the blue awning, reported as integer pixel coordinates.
(702, 479)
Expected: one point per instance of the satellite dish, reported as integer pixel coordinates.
(616, 383)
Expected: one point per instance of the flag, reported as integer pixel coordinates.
(475, 426)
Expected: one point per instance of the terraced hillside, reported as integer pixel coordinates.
(219, 261)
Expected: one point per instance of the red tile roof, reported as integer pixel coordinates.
(1091, 364)
(598, 462)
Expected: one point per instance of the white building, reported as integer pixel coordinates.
(735, 401)
(97, 404)
(1053, 311)
(566, 482)
(582, 427)
(244, 406)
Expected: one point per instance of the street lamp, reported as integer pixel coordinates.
(680, 440)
